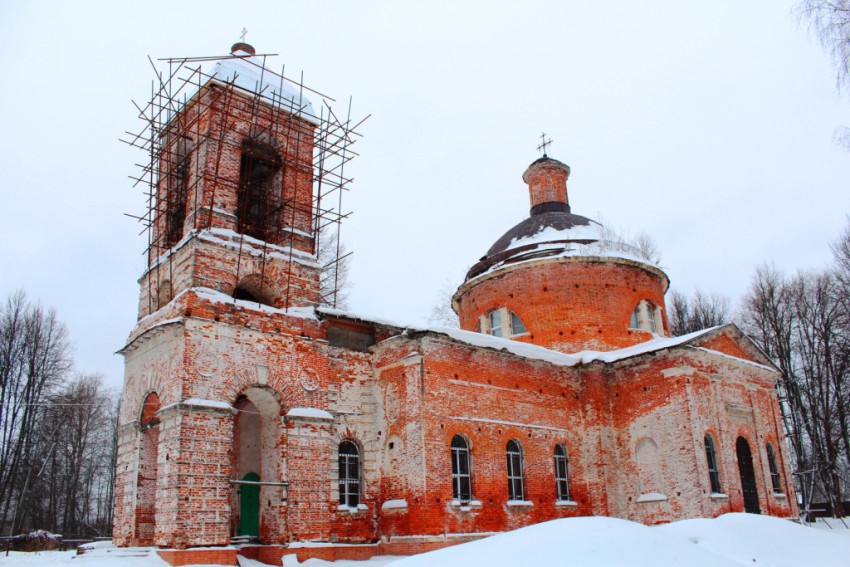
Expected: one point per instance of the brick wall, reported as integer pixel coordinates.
(567, 304)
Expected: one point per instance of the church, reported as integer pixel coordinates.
(252, 416)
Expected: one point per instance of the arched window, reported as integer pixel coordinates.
(562, 473)
(461, 486)
(711, 459)
(502, 322)
(349, 474)
(177, 161)
(775, 479)
(515, 482)
(647, 317)
(259, 164)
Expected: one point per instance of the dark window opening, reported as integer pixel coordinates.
(242, 293)
(515, 481)
(259, 165)
(461, 485)
(775, 480)
(177, 191)
(562, 473)
(349, 474)
(711, 458)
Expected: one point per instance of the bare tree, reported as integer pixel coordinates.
(335, 261)
(801, 323)
(34, 356)
(702, 311)
(830, 22)
(442, 313)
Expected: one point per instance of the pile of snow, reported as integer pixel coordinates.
(731, 540)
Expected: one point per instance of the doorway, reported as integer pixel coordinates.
(249, 506)
(748, 477)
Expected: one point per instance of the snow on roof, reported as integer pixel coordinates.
(591, 231)
(535, 352)
(257, 247)
(543, 246)
(251, 74)
(219, 297)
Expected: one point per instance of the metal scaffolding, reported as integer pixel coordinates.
(183, 92)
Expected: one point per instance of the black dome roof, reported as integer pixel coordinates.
(565, 227)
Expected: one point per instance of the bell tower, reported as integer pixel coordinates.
(232, 207)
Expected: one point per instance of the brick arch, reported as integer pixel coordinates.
(259, 288)
(147, 473)
(257, 449)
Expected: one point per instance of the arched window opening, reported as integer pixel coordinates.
(502, 322)
(147, 471)
(178, 163)
(349, 474)
(562, 473)
(711, 459)
(775, 479)
(647, 317)
(259, 164)
(256, 289)
(461, 485)
(515, 481)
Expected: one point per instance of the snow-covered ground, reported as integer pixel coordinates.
(731, 540)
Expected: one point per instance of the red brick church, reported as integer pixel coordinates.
(248, 410)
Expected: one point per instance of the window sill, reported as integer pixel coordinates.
(651, 497)
(352, 509)
(780, 495)
(566, 504)
(719, 496)
(465, 506)
(520, 503)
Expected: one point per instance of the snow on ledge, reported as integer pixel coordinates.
(200, 403)
(352, 509)
(566, 503)
(652, 497)
(310, 413)
(719, 496)
(397, 504)
(521, 503)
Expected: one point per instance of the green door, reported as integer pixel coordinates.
(249, 506)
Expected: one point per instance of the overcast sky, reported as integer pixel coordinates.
(706, 124)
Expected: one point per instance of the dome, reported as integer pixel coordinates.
(561, 280)
(540, 234)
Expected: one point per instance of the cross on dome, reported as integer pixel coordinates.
(544, 144)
